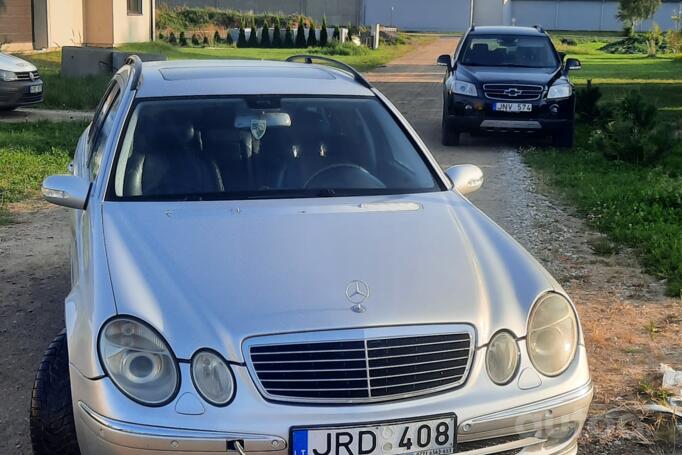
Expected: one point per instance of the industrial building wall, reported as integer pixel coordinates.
(425, 15)
(338, 12)
(16, 26)
(589, 15)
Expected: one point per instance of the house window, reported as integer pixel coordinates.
(134, 7)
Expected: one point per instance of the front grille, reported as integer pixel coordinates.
(26, 75)
(361, 370)
(513, 92)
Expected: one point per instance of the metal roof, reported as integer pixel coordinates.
(244, 77)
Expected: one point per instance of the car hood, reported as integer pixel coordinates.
(210, 274)
(12, 63)
(511, 75)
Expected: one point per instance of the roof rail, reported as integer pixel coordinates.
(539, 28)
(136, 72)
(340, 65)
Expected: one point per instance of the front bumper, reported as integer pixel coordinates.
(477, 114)
(18, 93)
(491, 419)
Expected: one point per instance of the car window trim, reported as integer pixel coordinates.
(110, 191)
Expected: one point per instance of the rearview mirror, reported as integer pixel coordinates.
(445, 60)
(573, 64)
(66, 190)
(466, 178)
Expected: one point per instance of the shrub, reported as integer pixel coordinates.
(277, 35)
(161, 36)
(195, 39)
(288, 37)
(172, 39)
(216, 37)
(182, 39)
(253, 36)
(568, 42)
(312, 38)
(630, 131)
(324, 40)
(587, 100)
(265, 36)
(654, 40)
(674, 41)
(337, 33)
(345, 49)
(241, 41)
(193, 16)
(300, 35)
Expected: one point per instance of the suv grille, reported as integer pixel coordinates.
(513, 92)
(362, 370)
(26, 75)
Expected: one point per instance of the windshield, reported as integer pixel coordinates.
(511, 50)
(265, 147)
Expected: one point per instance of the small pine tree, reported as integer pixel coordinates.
(172, 39)
(300, 35)
(195, 39)
(288, 37)
(253, 37)
(216, 38)
(277, 35)
(337, 33)
(324, 40)
(265, 35)
(228, 39)
(182, 39)
(161, 37)
(205, 42)
(241, 41)
(312, 39)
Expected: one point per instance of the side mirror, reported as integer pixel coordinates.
(445, 60)
(466, 178)
(573, 64)
(66, 190)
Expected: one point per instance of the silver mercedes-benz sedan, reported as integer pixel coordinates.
(266, 260)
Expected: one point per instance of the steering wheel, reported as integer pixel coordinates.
(328, 173)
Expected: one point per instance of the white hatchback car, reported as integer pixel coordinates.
(266, 260)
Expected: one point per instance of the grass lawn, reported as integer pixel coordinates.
(84, 94)
(636, 206)
(28, 153)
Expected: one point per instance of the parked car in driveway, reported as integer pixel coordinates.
(266, 259)
(20, 83)
(508, 80)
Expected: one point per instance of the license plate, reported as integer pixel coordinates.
(36, 88)
(429, 436)
(513, 107)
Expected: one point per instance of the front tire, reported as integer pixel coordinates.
(564, 138)
(7, 108)
(449, 133)
(53, 430)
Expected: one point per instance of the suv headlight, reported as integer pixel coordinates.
(212, 377)
(502, 358)
(557, 91)
(139, 361)
(552, 334)
(7, 76)
(464, 88)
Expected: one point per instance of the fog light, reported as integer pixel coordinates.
(468, 107)
(554, 108)
(560, 434)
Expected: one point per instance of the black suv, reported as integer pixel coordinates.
(508, 79)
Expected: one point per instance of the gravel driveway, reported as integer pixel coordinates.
(34, 276)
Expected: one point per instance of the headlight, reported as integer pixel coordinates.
(502, 358)
(7, 76)
(557, 91)
(464, 88)
(552, 334)
(213, 378)
(138, 361)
